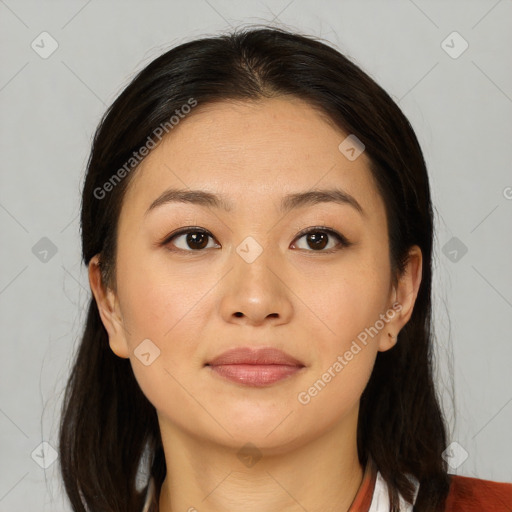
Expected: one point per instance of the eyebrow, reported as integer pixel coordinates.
(288, 202)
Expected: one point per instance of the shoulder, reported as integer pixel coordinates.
(477, 495)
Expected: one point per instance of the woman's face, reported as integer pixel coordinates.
(253, 278)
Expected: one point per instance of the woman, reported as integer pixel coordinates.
(257, 225)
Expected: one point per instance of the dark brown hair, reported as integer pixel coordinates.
(108, 427)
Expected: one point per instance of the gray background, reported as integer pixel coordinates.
(461, 111)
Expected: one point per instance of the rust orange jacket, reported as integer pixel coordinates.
(476, 495)
(466, 494)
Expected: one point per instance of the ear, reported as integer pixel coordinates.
(403, 299)
(108, 307)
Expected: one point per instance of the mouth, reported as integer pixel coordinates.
(255, 367)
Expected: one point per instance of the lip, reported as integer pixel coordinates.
(256, 356)
(255, 366)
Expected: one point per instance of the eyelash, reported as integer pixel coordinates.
(343, 241)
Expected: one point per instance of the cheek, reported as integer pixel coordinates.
(168, 305)
(348, 302)
(348, 305)
(156, 298)
(333, 391)
(166, 308)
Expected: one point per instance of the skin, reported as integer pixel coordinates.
(309, 303)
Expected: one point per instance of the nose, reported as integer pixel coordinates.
(256, 292)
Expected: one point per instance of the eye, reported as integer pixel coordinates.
(317, 238)
(193, 239)
(190, 239)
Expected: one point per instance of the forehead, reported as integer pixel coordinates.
(253, 152)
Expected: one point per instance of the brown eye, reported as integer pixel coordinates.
(191, 240)
(196, 240)
(318, 239)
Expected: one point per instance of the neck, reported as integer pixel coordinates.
(321, 475)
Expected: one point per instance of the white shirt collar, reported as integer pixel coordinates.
(380, 500)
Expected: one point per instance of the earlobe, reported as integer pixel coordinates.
(388, 340)
(108, 308)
